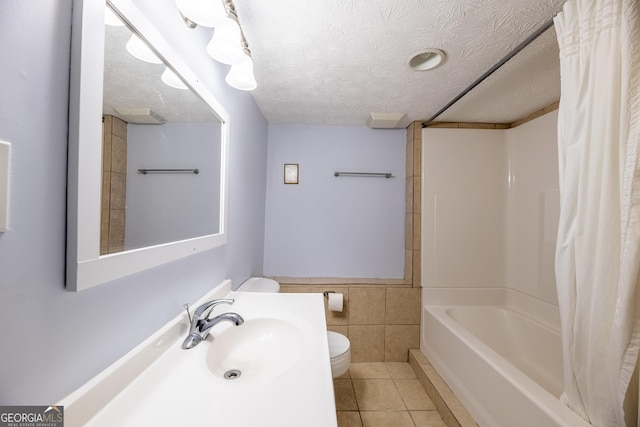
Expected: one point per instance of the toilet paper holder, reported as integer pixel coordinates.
(326, 293)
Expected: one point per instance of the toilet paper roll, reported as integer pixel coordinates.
(336, 301)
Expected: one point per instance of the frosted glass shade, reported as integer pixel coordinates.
(241, 76)
(208, 13)
(139, 49)
(171, 79)
(225, 45)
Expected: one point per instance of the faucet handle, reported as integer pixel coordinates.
(186, 307)
(209, 306)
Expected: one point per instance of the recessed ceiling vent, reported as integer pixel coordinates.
(384, 120)
(140, 116)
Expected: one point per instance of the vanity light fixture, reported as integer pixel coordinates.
(139, 49)
(208, 13)
(225, 45)
(228, 44)
(171, 79)
(241, 75)
(426, 59)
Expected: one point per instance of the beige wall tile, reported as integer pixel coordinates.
(403, 306)
(295, 289)
(408, 208)
(119, 127)
(116, 228)
(119, 155)
(417, 195)
(369, 370)
(106, 188)
(409, 159)
(367, 343)
(106, 152)
(417, 269)
(417, 235)
(366, 306)
(408, 231)
(398, 340)
(408, 265)
(118, 191)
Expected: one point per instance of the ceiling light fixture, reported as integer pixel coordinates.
(427, 59)
(228, 44)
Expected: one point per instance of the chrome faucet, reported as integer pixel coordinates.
(201, 324)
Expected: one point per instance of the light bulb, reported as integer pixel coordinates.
(241, 76)
(208, 13)
(225, 44)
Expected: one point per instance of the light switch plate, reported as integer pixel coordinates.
(5, 154)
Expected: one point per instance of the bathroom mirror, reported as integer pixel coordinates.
(147, 160)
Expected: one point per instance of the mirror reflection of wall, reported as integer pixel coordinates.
(152, 122)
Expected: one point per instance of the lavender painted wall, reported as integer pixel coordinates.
(51, 340)
(335, 227)
(172, 206)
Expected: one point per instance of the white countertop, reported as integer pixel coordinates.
(160, 384)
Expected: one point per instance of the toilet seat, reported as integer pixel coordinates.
(259, 284)
(338, 344)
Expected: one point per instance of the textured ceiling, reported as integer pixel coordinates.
(135, 84)
(335, 61)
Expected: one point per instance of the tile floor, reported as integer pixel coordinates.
(383, 394)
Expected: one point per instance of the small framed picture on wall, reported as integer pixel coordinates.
(291, 173)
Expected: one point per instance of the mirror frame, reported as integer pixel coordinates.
(85, 267)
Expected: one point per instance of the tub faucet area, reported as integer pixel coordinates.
(201, 324)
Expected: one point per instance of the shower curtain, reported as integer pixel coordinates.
(598, 247)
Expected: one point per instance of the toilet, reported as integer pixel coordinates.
(339, 345)
(339, 352)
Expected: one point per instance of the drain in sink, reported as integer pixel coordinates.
(232, 374)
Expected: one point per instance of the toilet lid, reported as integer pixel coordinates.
(259, 284)
(338, 344)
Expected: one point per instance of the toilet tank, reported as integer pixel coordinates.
(259, 284)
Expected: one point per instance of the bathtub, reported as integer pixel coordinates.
(500, 353)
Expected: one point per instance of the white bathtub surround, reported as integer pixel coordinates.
(158, 383)
(500, 352)
(598, 249)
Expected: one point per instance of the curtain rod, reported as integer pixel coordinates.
(493, 69)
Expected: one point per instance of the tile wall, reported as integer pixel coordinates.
(382, 321)
(114, 177)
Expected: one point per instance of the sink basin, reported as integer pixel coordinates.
(259, 350)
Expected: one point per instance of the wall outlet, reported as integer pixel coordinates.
(5, 155)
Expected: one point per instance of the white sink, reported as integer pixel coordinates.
(259, 350)
(281, 351)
